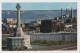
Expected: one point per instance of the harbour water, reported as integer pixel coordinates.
(33, 15)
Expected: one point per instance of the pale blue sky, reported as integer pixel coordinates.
(40, 6)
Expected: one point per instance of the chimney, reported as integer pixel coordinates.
(61, 14)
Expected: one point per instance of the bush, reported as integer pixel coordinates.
(37, 41)
(44, 42)
(73, 41)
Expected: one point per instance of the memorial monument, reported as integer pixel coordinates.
(20, 40)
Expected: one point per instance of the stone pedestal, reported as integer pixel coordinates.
(19, 42)
(19, 32)
(27, 41)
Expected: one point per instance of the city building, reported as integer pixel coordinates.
(12, 25)
(10, 20)
(46, 26)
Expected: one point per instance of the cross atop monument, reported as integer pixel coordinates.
(18, 6)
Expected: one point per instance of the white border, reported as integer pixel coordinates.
(78, 28)
(39, 0)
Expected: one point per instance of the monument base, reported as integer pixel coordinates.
(26, 38)
(18, 42)
(27, 41)
(19, 32)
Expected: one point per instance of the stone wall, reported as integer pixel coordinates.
(48, 36)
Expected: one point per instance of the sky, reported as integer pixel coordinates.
(40, 6)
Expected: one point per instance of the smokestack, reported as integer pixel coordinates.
(61, 14)
(66, 10)
(72, 13)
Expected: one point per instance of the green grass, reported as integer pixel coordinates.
(36, 43)
(51, 43)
